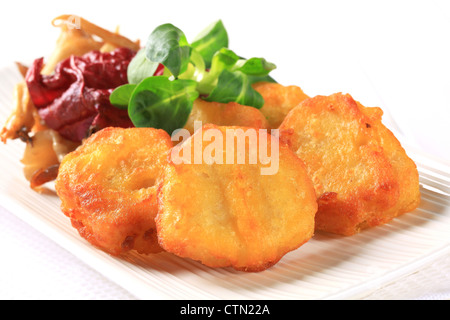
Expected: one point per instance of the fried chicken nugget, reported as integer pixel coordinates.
(361, 173)
(227, 213)
(225, 114)
(108, 188)
(278, 101)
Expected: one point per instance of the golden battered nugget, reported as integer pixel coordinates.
(278, 101)
(361, 173)
(107, 188)
(225, 114)
(227, 212)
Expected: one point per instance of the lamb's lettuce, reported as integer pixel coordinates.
(168, 45)
(161, 103)
(120, 97)
(140, 68)
(205, 68)
(235, 87)
(211, 40)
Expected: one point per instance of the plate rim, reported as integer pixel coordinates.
(101, 261)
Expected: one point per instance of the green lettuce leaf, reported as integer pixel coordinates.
(161, 103)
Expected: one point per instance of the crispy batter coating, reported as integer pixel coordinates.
(230, 214)
(225, 114)
(108, 188)
(361, 173)
(278, 101)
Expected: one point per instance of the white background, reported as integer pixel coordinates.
(391, 54)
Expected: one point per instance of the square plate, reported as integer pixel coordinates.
(327, 267)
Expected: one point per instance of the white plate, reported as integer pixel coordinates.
(327, 267)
